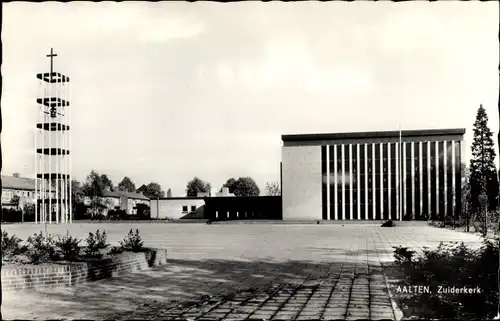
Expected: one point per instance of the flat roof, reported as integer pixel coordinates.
(179, 198)
(373, 135)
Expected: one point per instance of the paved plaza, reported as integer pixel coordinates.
(238, 271)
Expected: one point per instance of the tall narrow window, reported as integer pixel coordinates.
(442, 182)
(409, 182)
(323, 183)
(433, 181)
(362, 182)
(385, 181)
(449, 178)
(340, 200)
(378, 214)
(369, 168)
(333, 183)
(354, 180)
(425, 180)
(458, 178)
(394, 186)
(416, 174)
(347, 182)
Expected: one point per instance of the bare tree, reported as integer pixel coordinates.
(272, 189)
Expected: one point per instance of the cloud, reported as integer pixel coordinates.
(291, 63)
(82, 21)
(162, 29)
(224, 74)
(341, 77)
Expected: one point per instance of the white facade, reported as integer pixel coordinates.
(177, 208)
(301, 183)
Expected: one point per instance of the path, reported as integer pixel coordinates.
(234, 272)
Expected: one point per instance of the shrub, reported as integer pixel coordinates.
(436, 223)
(29, 212)
(424, 217)
(143, 211)
(98, 217)
(11, 246)
(95, 243)
(403, 255)
(451, 265)
(41, 249)
(69, 247)
(449, 221)
(132, 242)
(80, 212)
(115, 250)
(491, 223)
(117, 214)
(388, 223)
(11, 215)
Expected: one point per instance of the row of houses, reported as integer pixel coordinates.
(121, 200)
(24, 188)
(170, 208)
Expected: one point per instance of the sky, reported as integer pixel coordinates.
(162, 92)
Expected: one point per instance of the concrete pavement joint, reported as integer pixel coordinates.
(245, 300)
(398, 314)
(284, 303)
(313, 292)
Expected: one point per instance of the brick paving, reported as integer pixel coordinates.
(235, 272)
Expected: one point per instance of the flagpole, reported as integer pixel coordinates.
(400, 174)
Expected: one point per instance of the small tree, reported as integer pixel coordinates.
(77, 192)
(96, 243)
(15, 200)
(94, 185)
(142, 189)
(11, 246)
(246, 186)
(41, 248)
(107, 183)
(68, 247)
(29, 211)
(229, 184)
(152, 190)
(132, 242)
(272, 189)
(98, 205)
(169, 193)
(195, 186)
(126, 185)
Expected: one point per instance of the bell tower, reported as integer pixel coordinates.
(52, 148)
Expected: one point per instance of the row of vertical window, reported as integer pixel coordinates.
(417, 200)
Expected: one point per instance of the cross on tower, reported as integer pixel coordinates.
(51, 56)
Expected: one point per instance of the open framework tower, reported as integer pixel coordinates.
(52, 148)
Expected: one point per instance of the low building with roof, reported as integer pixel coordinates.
(125, 200)
(22, 187)
(122, 200)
